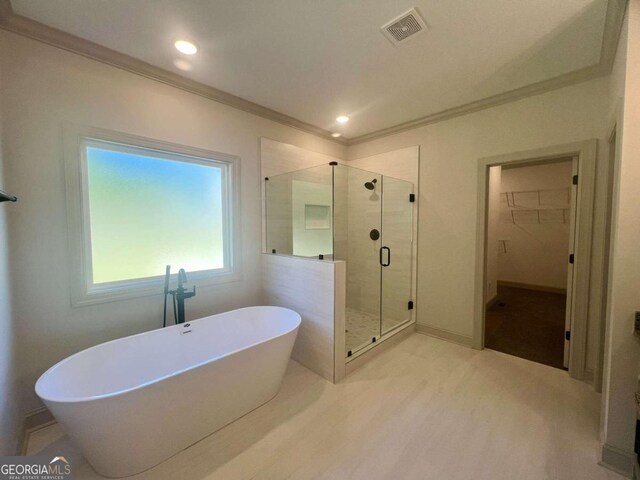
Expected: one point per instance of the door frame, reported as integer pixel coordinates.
(585, 152)
(573, 215)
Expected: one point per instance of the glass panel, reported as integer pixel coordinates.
(357, 196)
(299, 212)
(397, 235)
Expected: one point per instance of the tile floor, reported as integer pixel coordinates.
(425, 409)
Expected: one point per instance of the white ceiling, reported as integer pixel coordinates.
(316, 59)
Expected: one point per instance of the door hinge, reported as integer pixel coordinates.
(575, 179)
(412, 197)
(567, 335)
(349, 353)
(571, 258)
(410, 305)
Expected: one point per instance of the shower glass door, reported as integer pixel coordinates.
(358, 239)
(397, 245)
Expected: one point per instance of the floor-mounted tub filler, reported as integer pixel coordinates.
(131, 403)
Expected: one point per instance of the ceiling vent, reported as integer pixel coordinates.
(406, 27)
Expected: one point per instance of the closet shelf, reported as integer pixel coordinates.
(553, 197)
(539, 216)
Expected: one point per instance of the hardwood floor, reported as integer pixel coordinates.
(528, 324)
(425, 409)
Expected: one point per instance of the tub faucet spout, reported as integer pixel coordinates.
(179, 295)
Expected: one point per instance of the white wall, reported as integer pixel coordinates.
(449, 153)
(537, 253)
(44, 87)
(9, 411)
(622, 354)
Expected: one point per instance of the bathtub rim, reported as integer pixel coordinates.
(48, 398)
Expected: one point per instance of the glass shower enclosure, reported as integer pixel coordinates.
(345, 213)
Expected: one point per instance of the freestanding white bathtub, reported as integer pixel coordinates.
(131, 403)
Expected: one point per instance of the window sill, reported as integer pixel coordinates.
(147, 287)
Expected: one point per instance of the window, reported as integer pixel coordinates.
(140, 205)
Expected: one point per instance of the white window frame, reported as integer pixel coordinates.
(83, 290)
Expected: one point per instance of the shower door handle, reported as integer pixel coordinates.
(388, 256)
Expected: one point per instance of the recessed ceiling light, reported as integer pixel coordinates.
(186, 47)
(183, 65)
(342, 119)
(336, 135)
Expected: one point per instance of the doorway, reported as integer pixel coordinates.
(578, 272)
(530, 234)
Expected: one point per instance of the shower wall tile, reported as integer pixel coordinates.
(277, 158)
(363, 266)
(341, 213)
(397, 235)
(279, 229)
(307, 286)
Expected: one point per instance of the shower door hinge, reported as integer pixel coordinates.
(575, 179)
(572, 258)
(349, 353)
(412, 197)
(567, 335)
(410, 305)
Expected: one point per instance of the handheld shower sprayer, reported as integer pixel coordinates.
(167, 277)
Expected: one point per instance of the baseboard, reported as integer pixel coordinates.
(445, 335)
(529, 286)
(33, 420)
(619, 461)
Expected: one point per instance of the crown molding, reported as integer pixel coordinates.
(12, 22)
(544, 86)
(611, 35)
(35, 30)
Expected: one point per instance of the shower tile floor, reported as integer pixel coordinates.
(361, 327)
